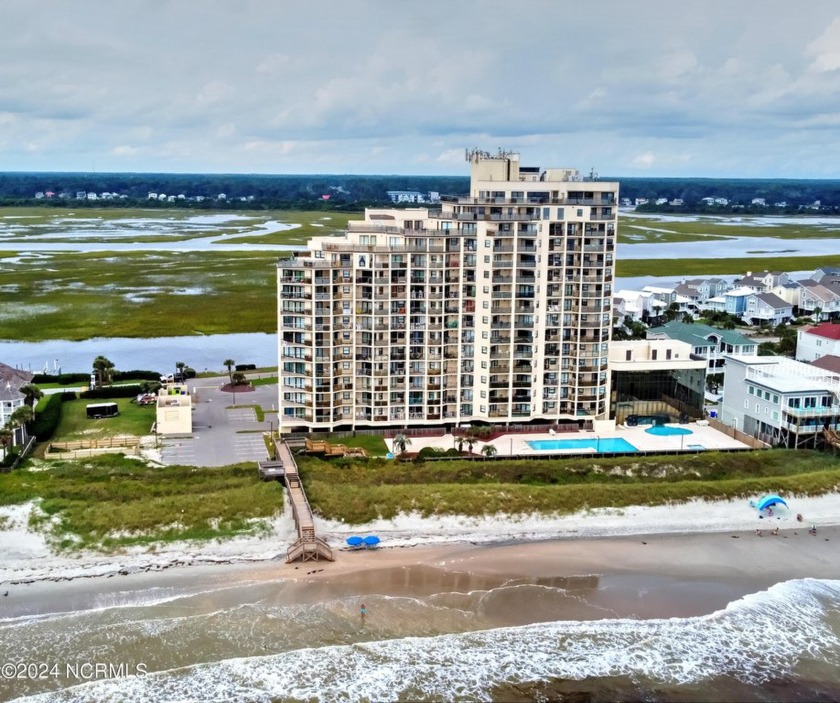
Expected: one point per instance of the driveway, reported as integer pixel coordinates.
(223, 434)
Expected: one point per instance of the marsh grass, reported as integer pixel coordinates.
(358, 491)
(110, 501)
(698, 228)
(704, 267)
(105, 294)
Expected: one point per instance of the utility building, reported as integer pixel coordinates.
(494, 307)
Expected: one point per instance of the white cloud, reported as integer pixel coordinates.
(366, 87)
(825, 50)
(644, 161)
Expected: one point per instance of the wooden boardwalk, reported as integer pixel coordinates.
(308, 546)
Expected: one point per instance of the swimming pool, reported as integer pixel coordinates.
(665, 431)
(604, 444)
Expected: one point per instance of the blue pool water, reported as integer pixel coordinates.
(605, 444)
(665, 431)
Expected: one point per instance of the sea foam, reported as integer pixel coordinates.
(755, 639)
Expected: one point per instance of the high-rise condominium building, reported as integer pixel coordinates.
(493, 308)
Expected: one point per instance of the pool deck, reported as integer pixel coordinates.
(517, 444)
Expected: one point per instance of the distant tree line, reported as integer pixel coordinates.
(346, 192)
(352, 192)
(740, 192)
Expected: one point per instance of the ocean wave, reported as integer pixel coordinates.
(757, 638)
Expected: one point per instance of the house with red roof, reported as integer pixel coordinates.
(818, 341)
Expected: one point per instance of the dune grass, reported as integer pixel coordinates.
(358, 491)
(111, 501)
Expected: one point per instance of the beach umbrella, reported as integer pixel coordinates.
(768, 501)
(371, 540)
(354, 541)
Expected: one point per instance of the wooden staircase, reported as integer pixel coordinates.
(308, 546)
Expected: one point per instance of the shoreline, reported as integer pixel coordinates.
(641, 576)
(25, 556)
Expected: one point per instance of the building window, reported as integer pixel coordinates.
(628, 355)
(775, 415)
(668, 354)
(746, 403)
(751, 390)
(653, 353)
(757, 408)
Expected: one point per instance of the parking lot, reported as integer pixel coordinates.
(223, 434)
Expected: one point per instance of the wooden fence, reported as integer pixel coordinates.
(86, 448)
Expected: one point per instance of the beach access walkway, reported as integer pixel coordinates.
(308, 546)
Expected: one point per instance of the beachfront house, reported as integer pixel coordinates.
(709, 343)
(819, 301)
(11, 380)
(735, 300)
(818, 341)
(766, 309)
(655, 378)
(780, 401)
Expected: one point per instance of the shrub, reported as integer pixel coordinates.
(64, 379)
(46, 421)
(136, 375)
(112, 392)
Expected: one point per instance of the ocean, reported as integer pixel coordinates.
(429, 636)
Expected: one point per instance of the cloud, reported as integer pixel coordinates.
(825, 49)
(644, 161)
(367, 87)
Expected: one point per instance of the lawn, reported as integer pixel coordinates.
(111, 501)
(132, 420)
(359, 491)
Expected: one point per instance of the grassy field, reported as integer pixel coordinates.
(74, 295)
(356, 491)
(111, 502)
(133, 420)
(705, 267)
(637, 229)
(84, 295)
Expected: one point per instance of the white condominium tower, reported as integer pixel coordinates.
(494, 308)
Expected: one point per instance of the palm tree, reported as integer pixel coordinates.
(32, 394)
(401, 442)
(180, 366)
(20, 418)
(104, 369)
(6, 435)
(229, 363)
(489, 451)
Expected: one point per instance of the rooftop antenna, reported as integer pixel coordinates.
(593, 174)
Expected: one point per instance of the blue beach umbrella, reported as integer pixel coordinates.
(354, 541)
(770, 500)
(371, 540)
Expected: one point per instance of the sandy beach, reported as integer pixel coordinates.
(26, 555)
(671, 607)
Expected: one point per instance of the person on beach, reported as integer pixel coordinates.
(758, 533)
(363, 612)
(775, 531)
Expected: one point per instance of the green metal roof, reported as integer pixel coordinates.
(698, 335)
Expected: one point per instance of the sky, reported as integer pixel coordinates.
(716, 88)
